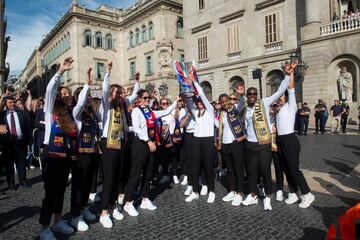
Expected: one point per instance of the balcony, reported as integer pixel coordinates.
(339, 26)
(234, 56)
(274, 47)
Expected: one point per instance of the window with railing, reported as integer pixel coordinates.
(272, 28)
(180, 28)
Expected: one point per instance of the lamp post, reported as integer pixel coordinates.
(257, 75)
(299, 74)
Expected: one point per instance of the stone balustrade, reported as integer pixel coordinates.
(234, 56)
(274, 47)
(338, 26)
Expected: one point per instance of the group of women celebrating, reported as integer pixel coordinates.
(129, 139)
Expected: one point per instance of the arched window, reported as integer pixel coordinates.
(151, 30)
(88, 38)
(180, 28)
(137, 36)
(98, 37)
(234, 81)
(131, 39)
(109, 41)
(143, 34)
(206, 86)
(273, 79)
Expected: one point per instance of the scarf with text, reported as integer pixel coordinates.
(116, 131)
(154, 126)
(260, 123)
(235, 123)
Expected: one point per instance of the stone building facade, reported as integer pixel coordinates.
(146, 37)
(229, 39)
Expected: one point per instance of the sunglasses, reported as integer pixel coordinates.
(180, 100)
(165, 104)
(274, 105)
(252, 94)
(233, 98)
(146, 98)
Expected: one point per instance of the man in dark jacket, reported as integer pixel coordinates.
(14, 142)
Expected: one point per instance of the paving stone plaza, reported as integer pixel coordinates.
(331, 166)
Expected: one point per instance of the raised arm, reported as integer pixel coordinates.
(133, 96)
(281, 90)
(204, 99)
(159, 114)
(80, 105)
(28, 101)
(105, 105)
(52, 87)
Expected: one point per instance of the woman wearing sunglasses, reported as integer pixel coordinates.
(147, 130)
(258, 145)
(203, 145)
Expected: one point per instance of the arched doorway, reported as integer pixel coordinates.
(206, 86)
(273, 81)
(233, 82)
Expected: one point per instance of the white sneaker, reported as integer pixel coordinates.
(267, 204)
(147, 204)
(70, 176)
(130, 209)
(237, 200)
(204, 190)
(292, 198)
(117, 214)
(211, 198)
(106, 221)
(47, 234)
(307, 199)
(184, 181)
(176, 179)
(279, 196)
(229, 197)
(250, 200)
(188, 191)
(32, 167)
(62, 227)
(79, 224)
(88, 215)
(94, 197)
(193, 196)
(121, 198)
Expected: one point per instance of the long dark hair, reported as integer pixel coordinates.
(62, 112)
(116, 103)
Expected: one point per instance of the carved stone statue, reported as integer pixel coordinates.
(345, 85)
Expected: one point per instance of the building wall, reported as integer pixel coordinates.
(220, 68)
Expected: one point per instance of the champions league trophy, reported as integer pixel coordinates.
(186, 75)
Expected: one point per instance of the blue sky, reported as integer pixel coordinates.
(29, 20)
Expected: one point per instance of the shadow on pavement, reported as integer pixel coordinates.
(15, 216)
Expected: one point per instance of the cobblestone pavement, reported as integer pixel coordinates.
(336, 156)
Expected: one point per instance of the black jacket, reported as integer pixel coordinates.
(24, 122)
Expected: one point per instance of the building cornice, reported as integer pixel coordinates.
(249, 60)
(266, 4)
(201, 27)
(330, 37)
(232, 16)
(149, 9)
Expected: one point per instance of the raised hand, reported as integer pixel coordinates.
(108, 66)
(137, 76)
(240, 89)
(66, 65)
(90, 76)
(3, 129)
